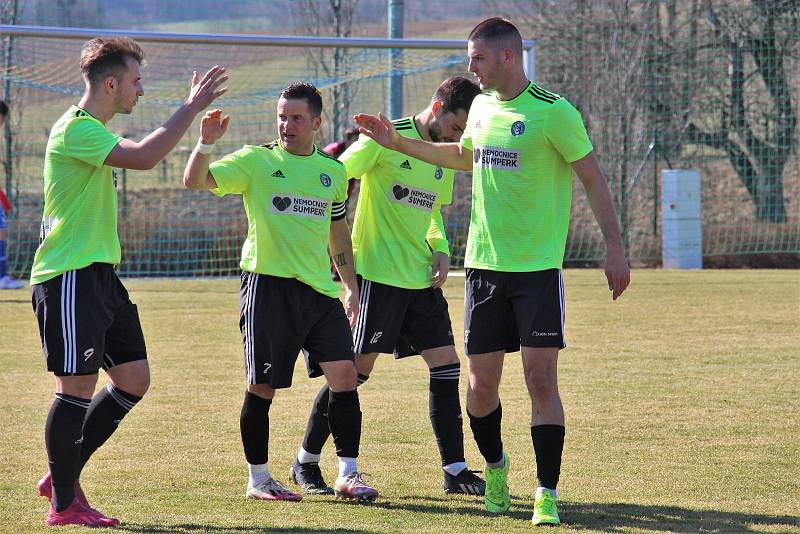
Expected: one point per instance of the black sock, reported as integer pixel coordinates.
(254, 426)
(344, 418)
(317, 429)
(486, 430)
(62, 437)
(444, 408)
(107, 409)
(548, 442)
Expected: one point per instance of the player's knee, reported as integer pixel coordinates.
(540, 385)
(440, 356)
(135, 385)
(341, 376)
(365, 363)
(483, 388)
(141, 385)
(84, 390)
(265, 391)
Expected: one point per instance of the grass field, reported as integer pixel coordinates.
(681, 399)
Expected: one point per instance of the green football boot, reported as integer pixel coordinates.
(497, 498)
(545, 511)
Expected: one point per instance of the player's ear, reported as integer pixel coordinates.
(110, 83)
(316, 123)
(437, 108)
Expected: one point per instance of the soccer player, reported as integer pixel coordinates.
(86, 320)
(522, 144)
(294, 196)
(402, 259)
(6, 282)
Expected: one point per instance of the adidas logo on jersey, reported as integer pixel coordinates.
(405, 165)
(478, 123)
(278, 174)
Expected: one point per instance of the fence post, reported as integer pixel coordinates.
(395, 79)
(682, 227)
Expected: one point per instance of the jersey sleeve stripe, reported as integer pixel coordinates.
(326, 155)
(548, 100)
(544, 95)
(545, 91)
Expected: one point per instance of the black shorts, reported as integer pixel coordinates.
(279, 317)
(503, 310)
(401, 321)
(86, 321)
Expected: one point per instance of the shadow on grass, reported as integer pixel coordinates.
(15, 301)
(610, 517)
(618, 516)
(193, 529)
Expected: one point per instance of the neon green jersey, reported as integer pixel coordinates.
(79, 222)
(398, 219)
(523, 151)
(288, 201)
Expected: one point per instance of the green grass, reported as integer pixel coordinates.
(681, 404)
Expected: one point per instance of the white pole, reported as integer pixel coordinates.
(529, 61)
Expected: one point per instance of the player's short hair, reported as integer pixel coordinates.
(3, 108)
(307, 92)
(351, 134)
(102, 57)
(500, 32)
(457, 93)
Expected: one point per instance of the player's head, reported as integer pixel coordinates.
(350, 135)
(3, 112)
(299, 117)
(495, 52)
(110, 68)
(450, 106)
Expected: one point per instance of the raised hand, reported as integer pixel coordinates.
(204, 91)
(213, 126)
(378, 128)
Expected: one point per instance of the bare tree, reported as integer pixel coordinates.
(752, 119)
(595, 55)
(323, 18)
(692, 71)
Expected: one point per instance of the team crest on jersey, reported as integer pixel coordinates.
(518, 128)
(490, 157)
(315, 208)
(325, 179)
(412, 197)
(439, 173)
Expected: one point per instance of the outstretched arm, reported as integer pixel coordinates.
(341, 249)
(381, 129)
(616, 267)
(212, 127)
(149, 151)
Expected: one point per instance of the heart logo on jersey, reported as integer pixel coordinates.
(281, 202)
(400, 192)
